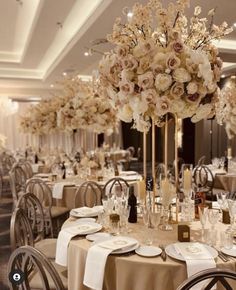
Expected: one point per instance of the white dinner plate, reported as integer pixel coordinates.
(85, 220)
(93, 212)
(171, 252)
(86, 228)
(97, 237)
(230, 252)
(128, 249)
(148, 251)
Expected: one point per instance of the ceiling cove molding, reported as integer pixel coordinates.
(27, 17)
(80, 18)
(32, 28)
(20, 73)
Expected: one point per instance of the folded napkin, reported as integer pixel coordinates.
(97, 257)
(87, 211)
(35, 167)
(66, 235)
(57, 191)
(197, 259)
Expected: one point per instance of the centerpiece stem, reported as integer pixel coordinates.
(153, 161)
(144, 156)
(166, 144)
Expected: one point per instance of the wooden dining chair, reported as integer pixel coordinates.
(18, 180)
(54, 215)
(88, 194)
(27, 168)
(115, 186)
(21, 232)
(39, 272)
(213, 276)
(35, 214)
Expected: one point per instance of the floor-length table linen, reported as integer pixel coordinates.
(124, 272)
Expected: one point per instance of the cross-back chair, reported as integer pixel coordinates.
(211, 277)
(203, 180)
(89, 194)
(39, 272)
(115, 186)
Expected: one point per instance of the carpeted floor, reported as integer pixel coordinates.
(5, 251)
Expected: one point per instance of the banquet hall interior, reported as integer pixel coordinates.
(117, 144)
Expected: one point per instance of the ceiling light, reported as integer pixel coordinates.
(233, 77)
(52, 86)
(222, 76)
(64, 73)
(234, 24)
(86, 53)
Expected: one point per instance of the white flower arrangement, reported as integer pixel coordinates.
(88, 109)
(226, 108)
(172, 68)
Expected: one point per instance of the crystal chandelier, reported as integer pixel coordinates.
(7, 106)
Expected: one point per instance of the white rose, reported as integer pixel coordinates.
(177, 90)
(125, 113)
(181, 75)
(192, 88)
(146, 81)
(150, 95)
(162, 106)
(163, 82)
(126, 87)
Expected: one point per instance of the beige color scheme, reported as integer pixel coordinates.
(228, 181)
(124, 272)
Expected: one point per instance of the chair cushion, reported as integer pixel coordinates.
(35, 279)
(58, 210)
(47, 247)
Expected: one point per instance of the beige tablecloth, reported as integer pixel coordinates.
(135, 272)
(68, 196)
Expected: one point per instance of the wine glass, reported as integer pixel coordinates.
(203, 213)
(221, 199)
(232, 213)
(155, 216)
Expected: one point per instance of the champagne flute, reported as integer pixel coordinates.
(203, 213)
(147, 223)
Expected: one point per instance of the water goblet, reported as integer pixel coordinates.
(232, 213)
(155, 216)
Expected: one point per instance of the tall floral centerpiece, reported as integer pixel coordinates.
(88, 110)
(226, 108)
(163, 63)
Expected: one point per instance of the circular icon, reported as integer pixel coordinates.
(16, 277)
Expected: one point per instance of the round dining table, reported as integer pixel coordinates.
(133, 272)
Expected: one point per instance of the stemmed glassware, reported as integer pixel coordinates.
(147, 222)
(221, 199)
(213, 217)
(167, 192)
(232, 213)
(203, 213)
(155, 216)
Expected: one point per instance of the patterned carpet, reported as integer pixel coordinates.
(5, 216)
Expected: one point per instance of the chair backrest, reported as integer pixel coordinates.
(43, 192)
(1, 181)
(214, 275)
(17, 181)
(26, 166)
(115, 186)
(31, 261)
(201, 160)
(131, 150)
(89, 194)
(20, 230)
(34, 211)
(203, 178)
(7, 162)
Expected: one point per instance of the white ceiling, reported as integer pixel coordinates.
(41, 39)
